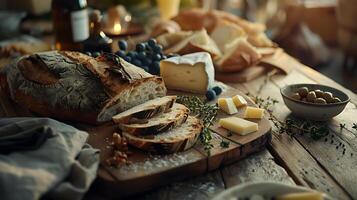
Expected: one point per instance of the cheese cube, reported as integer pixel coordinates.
(238, 125)
(253, 113)
(301, 196)
(239, 101)
(227, 105)
(190, 73)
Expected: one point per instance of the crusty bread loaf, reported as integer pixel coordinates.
(178, 139)
(159, 123)
(73, 86)
(145, 110)
(196, 19)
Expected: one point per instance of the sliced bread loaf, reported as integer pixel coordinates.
(146, 110)
(178, 139)
(159, 123)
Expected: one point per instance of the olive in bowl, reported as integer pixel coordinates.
(314, 101)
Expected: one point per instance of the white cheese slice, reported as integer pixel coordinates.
(253, 113)
(239, 101)
(190, 73)
(238, 125)
(227, 105)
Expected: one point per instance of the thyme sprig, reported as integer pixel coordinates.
(354, 126)
(224, 143)
(291, 126)
(344, 126)
(206, 112)
(267, 103)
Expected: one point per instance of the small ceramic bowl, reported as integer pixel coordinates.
(313, 111)
(268, 190)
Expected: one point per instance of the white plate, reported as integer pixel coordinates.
(266, 189)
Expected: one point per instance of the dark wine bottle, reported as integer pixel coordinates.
(70, 23)
(97, 41)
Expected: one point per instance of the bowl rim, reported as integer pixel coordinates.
(314, 104)
(277, 185)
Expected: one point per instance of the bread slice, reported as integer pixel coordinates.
(159, 123)
(197, 42)
(178, 139)
(238, 55)
(146, 110)
(225, 33)
(168, 40)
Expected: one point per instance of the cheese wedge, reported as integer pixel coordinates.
(239, 101)
(190, 73)
(238, 125)
(227, 105)
(301, 196)
(253, 113)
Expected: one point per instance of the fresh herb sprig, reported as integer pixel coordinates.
(267, 103)
(224, 143)
(206, 112)
(344, 126)
(315, 130)
(291, 126)
(354, 126)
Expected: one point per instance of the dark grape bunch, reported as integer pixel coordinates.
(146, 55)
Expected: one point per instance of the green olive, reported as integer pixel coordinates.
(320, 101)
(336, 100)
(319, 93)
(303, 91)
(328, 97)
(311, 96)
(296, 96)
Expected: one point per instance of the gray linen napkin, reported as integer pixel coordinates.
(63, 166)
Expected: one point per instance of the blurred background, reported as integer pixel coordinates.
(320, 33)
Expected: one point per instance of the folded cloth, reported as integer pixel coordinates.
(54, 162)
(13, 138)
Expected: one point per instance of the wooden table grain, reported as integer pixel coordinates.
(328, 164)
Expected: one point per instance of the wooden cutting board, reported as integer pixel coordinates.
(149, 171)
(240, 77)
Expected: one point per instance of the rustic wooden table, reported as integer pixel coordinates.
(328, 164)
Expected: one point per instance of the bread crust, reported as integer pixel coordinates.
(43, 109)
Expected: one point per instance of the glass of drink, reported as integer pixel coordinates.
(168, 8)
